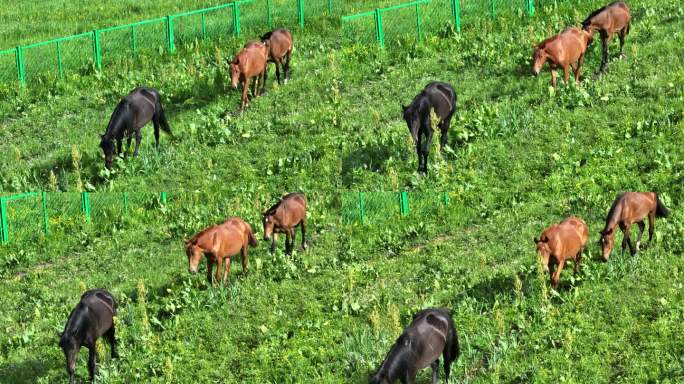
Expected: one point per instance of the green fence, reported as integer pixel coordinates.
(25, 216)
(380, 208)
(57, 58)
(411, 22)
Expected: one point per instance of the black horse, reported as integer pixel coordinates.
(92, 318)
(431, 334)
(131, 114)
(438, 96)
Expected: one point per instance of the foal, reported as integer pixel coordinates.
(612, 18)
(283, 217)
(218, 243)
(248, 63)
(279, 43)
(563, 50)
(436, 96)
(92, 318)
(561, 242)
(431, 334)
(627, 209)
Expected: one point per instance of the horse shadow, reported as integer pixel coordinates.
(371, 158)
(27, 371)
(487, 291)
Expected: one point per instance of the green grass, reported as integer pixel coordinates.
(521, 157)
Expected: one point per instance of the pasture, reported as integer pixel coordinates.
(521, 156)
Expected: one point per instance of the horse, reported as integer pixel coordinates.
(627, 209)
(92, 318)
(438, 96)
(220, 242)
(131, 114)
(612, 18)
(279, 43)
(563, 50)
(248, 63)
(431, 334)
(283, 217)
(561, 242)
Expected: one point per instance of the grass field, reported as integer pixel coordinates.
(521, 156)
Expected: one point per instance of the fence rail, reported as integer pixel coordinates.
(378, 208)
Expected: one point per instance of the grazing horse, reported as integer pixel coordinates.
(279, 43)
(563, 50)
(612, 18)
(131, 114)
(283, 217)
(438, 96)
(220, 242)
(248, 63)
(92, 318)
(431, 334)
(559, 243)
(627, 209)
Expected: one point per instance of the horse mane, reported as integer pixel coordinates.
(395, 362)
(275, 206)
(613, 207)
(587, 21)
(266, 36)
(542, 45)
(75, 322)
(193, 240)
(115, 121)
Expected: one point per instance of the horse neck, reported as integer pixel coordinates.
(78, 322)
(117, 123)
(614, 216)
(397, 361)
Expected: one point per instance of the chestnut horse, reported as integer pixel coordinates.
(431, 334)
(559, 243)
(612, 18)
(283, 217)
(279, 43)
(627, 209)
(562, 51)
(248, 63)
(220, 242)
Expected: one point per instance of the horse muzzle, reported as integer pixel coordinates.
(192, 270)
(266, 238)
(546, 269)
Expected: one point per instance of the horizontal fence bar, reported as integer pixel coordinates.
(205, 10)
(405, 5)
(53, 41)
(144, 22)
(21, 196)
(357, 16)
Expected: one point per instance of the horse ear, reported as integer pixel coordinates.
(536, 240)
(544, 239)
(404, 107)
(607, 232)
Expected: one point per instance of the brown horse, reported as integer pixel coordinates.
(559, 243)
(563, 50)
(627, 209)
(283, 217)
(220, 242)
(612, 18)
(248, 63)
(279, 43)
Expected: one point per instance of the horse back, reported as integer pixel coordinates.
(580, 229)
(429, 333)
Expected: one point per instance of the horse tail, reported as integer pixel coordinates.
(162, 119)
(266, 36)
(252, 240)
(661, 210)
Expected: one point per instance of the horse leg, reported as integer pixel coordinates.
(219, 268)
(580, 62)
(303, 224)
(651, 226)
(245, 259)
(578, 260)
(418, 151)
(278, 64)
(426, 149)
(119, 144)
(288, 237)
(605, 39)
(554, 75)
(138, 137)
(245, 100)
(92, 365)
(128, 145)
(287, 66)
(444, 128)
(622, 34)
(435, 372)
(642, 226)
(575, 69)
(155, 122)
(566, 73)
(112, 341)
(226, 270)
(273, 243)
(625, 239)
(264, 78)
(555, 278)
(210, 269)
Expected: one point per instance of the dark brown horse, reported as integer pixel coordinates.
(431, 334)
(441, 98)
(219, 243)
(562, 51)
(279, 43)
(131, 114)
(559, 243)
(283, 217)
(92, 318)
(250, 62)
(608, 20)
(627, 209)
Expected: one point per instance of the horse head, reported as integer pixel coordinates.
(543, 251)
(607, 242)
(70, 346)
(412, 121)
(269, 225)
(235, 72)
(194, 254)
(538, 59)
(107, 146)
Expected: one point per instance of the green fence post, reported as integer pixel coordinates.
(21, 69)
(170, 38)
(456, 13)
(300, 12)
(134, 42)
(379, 32)
(403, 203)
(162, 197)
(46, 221)
(125, 201)
(493, 6)
(204, 26)
(446, 198)
(362, 212)
(59, 59)
(97, 55)
(236, 19)
(530, 7)
(85, 205)
(330, 7)
(418, 21)
(269, 18)
(4, 230)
